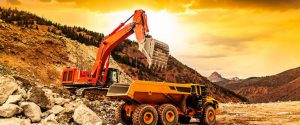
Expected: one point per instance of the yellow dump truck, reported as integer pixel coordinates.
(151, 103)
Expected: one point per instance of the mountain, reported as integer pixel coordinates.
(40, 54)
(216, 77)
(235, 79)
(284, 86)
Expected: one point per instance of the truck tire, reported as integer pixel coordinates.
(209, 116)
(120, 116)
(184, 119)
(145, 115)
(168, 114)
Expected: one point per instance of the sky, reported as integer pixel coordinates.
(237, 38)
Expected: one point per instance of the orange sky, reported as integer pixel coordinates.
(234, 37)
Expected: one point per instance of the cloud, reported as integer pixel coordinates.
(45, 0)
(252, 4)
(236, 41)
(14, 2)
(204, 56)
(182, 5)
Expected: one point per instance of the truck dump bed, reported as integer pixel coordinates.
(148, 92)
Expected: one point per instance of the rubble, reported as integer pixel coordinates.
(84, 115)
(14, 121)
(56, 109)
(32, 111)
(60, 101)
(28, 103)
(22, 92)
(7, 86)
(9, 110)
(105, 109)
(38, 96)
(13, 99)
(50, 120)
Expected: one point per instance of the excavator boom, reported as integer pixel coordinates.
(156, 52)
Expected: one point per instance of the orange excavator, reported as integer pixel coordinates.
(98, 77)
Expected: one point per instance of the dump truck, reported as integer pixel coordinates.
(101, 76)
(151, 103)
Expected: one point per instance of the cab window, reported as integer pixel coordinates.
(114, 77)
(198, 90)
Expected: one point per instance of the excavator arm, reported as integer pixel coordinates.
(138, 26)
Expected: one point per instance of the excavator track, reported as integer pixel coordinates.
(90, 93)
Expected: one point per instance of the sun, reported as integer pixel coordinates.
(163, 26)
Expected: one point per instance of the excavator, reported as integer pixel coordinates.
(100, 78)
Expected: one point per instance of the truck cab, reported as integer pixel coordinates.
(198, 94)
(201, 105)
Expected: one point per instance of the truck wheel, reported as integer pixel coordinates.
(168, 114)
(184, 119)
(209, 116)
(145, 115)
(121, 117)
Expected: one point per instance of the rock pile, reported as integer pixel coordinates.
(24, 103)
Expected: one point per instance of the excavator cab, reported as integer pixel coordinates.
(112, 77)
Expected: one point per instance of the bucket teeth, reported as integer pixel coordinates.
(156, 52)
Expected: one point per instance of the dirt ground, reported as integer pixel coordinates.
(278, 113)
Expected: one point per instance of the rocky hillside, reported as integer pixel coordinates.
(40, 55)
(216, 77)
(284, 86)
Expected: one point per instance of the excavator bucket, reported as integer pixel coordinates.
(156, 52)
(118, 90)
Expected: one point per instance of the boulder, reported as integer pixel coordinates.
(13, 99)
(71, 106)
(38, 96)
(52, 123)
(9, 110)
(56, 109)
(26, 84)
(64, 116)
(7, 86)
(50, 120)
(84, 115)
(14, 121)
(32, 111)
(61, 101)
(21, 91)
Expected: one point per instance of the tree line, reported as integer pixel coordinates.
(27, 19)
